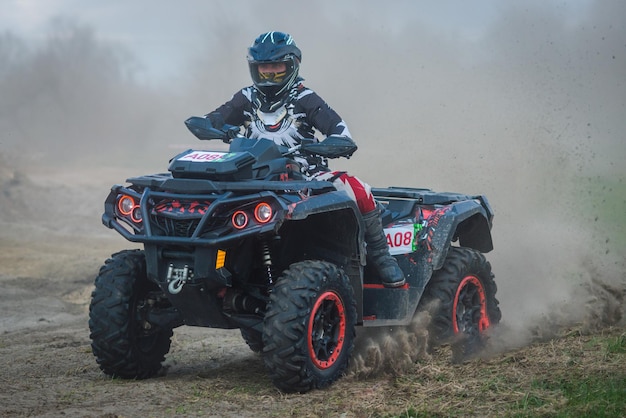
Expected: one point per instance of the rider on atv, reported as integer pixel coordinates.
(279, 107)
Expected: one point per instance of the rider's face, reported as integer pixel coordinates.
(272, 67)
(272, 71)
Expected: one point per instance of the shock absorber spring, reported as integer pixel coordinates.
(266, 258)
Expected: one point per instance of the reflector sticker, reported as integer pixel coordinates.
(205, 156)
(220, 259)
(401, 239)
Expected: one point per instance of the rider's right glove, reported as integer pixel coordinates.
(231, 132)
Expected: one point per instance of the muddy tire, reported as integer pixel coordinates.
(121, 346)
(462, 300)
(309, 328)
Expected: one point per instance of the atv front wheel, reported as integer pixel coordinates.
(253, 338)
(309, 328)
(463, 291)
(122, 347)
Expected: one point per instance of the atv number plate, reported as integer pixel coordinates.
(401, 239)
(205, 156)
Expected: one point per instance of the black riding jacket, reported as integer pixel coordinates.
(286, 122)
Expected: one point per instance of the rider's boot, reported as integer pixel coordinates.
(378, 252)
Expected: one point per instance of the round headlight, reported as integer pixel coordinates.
(136, 214)
(263, 212)
(239, 219)
(125, 205)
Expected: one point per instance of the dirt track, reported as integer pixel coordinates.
(48, 261)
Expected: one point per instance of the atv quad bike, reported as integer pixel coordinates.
(241, 239)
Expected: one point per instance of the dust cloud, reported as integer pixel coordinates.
(528, 110)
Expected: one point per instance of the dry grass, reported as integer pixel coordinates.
(543, 379)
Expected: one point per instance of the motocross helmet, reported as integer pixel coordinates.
(274, 48)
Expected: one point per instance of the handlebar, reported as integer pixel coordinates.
(333, 146)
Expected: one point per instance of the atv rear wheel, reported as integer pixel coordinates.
(122, 347)
(309, 328)
(463, 293)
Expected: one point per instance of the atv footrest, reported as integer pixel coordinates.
(385, 303)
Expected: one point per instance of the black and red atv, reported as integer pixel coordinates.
(240, 239)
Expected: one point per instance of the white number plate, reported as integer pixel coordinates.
(401, 239)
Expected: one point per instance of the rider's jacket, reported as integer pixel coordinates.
(287, 122)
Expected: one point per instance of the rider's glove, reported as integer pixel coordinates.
(231, 132)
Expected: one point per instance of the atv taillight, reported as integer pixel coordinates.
(263, 212)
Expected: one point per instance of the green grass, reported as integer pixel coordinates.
(533, 382)
(616, 345)
(588, 393)
(597, 396)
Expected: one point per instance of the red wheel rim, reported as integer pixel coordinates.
(326, 330)
(469, 294)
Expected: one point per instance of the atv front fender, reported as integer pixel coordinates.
(327, 202)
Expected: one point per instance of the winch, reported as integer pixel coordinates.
(177, 277)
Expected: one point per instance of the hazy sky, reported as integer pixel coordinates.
(162, 34)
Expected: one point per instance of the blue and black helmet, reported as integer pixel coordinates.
(266, 57)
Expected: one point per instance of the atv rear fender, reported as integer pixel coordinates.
(452, 217)
(468, 222)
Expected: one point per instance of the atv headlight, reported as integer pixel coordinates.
(263, 212)
(135, 215)
(253, 214)
(239, 219)
(125, 205)
(127, 209)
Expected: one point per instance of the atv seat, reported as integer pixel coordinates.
(394, 209)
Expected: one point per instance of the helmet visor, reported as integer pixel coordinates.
(272, 73)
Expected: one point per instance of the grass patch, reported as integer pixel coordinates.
(595, 388)
(572, 376)
(597, 396)
(616, 345)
